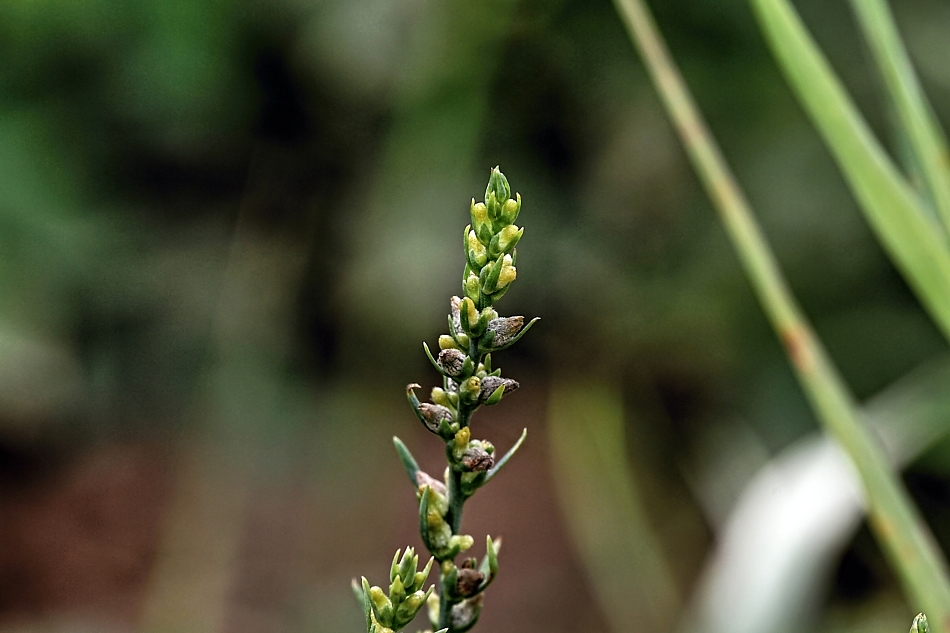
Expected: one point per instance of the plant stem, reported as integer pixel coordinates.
(894, 519)
(923, 131)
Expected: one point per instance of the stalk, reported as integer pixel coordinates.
(904, 537)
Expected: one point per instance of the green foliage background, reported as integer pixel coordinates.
(226, 227)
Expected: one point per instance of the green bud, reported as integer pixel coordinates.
(441, 397)
(486, 317)
(382, 607)
(408, 610)
(468, 313)
(432, 603)
(507, 273)
(461, 541)
(477, 254)
(420, 578)
(508, 238)
(511, 209)
(447, 342)
(498, 185)
(461, 440)
(408, 565)
(494, 208)
(470, 389)
(490, 274)
(394, 568)
(397, 592)
(920, 624)
(439, 532)
(480, 218)
(435, 491)
(470, 287)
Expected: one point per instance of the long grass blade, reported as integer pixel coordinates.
(904, 537)
(914, 242)
(924, 134)
(602, 506)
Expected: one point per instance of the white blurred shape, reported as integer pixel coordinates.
(780, 542)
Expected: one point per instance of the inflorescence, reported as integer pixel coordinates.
(468, 381)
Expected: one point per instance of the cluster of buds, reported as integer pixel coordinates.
(388, 614)
(468, 381)
(920, 624)
(463, 586)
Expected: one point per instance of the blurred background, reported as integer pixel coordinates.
(226, 227)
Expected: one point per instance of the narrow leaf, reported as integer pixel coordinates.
(923, 131)
(408, 461)
(504, 460)
(912, 240)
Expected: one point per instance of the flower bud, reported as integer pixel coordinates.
(452, 361)
(440, 396)
(504, 329)
(498, 185)
(432, 604)
(470, 390)
(507, 275)
(408, 566)
(447, 342)
(410, 607)
(382, 607)
(468, 313)
(434, 414)
(435, 486)
(476, 459)
(479, 214)
(462, 541)
(476, 250)
(508, 238)
(490, 384)
(397, 591)
(511, 209)
(462, 438)
(469, 580)
(470, 287)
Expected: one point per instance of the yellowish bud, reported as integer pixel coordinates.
(508, 273)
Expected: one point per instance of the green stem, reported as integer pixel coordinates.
(923, 131)
(894, 519)
(454, 515)
(444, 606)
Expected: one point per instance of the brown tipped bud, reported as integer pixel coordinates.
(476, 459)
(504, 329)
(425, 479)
(468, 582)
(433, 414)
(451, 361)
(491, 383)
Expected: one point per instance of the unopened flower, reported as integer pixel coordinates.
(451, 361)
(504, 329)
(490, 384)
(433, 414)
